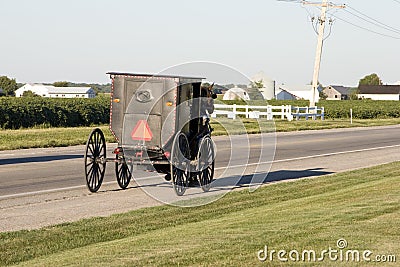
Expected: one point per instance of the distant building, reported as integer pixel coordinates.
(285, 95)
(297, 92)
(379, 92)
(56, 92)
(268, 89)
(236, 93)
(336, 92)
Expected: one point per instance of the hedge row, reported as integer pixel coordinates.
(366, 109)
(18, 113)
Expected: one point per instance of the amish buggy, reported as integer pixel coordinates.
(161, 124)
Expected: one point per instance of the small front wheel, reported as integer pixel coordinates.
(122, 172)
(205, 167)
(180, 155)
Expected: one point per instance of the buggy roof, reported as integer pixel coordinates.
(154, 75)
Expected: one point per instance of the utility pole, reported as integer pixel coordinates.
(321, 30)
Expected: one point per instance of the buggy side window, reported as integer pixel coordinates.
(185, 102)
(186, 95)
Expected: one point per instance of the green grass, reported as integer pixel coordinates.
(361, 206)
(224, 125)
(47, 137)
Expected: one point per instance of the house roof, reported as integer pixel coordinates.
(283, 90)
(379, 89)
(298, 88)
(68, 90)
(154, 75)
(56, 90)
(342, 89)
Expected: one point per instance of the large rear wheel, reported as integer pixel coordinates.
(205, 167)
(95, 160)
(180, 162)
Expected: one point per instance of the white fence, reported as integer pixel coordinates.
(254, 112)
(308, 112)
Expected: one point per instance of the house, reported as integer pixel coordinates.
(285, 95)
(56, 92)
(298, 92)
(268, 85)
(379, 92)
(336, 92)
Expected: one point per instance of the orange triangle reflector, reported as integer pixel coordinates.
(142, 131)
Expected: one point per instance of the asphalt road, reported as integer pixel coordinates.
(49, 184)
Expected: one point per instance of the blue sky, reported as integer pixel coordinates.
(80, 40)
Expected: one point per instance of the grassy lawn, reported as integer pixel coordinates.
(53, 137)
(47, 137)
(361, 206)
(223, 125)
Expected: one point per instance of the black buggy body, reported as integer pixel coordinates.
(158, 122)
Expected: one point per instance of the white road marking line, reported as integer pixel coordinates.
(220, 168)
(312, 156)
(49, 191)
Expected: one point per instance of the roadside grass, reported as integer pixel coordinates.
(48, 137)
(57, 137)
(222, 126)
(361, 206)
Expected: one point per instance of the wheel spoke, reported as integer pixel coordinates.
(97, 175)
(91, 161)
(93, 143)
(119, 171)
(97, 181)
(91, 169)
(101, 149)
(92, 176)
(90, 148)
(96, 142)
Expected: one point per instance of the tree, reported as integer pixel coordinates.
(322, 95)
(61, 84)
(354, 94)
(254, 90)
(8, 85)
(257, 84)
(29, 93)
(372, 79)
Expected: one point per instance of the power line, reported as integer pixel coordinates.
(373, 21)
(366, 29)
